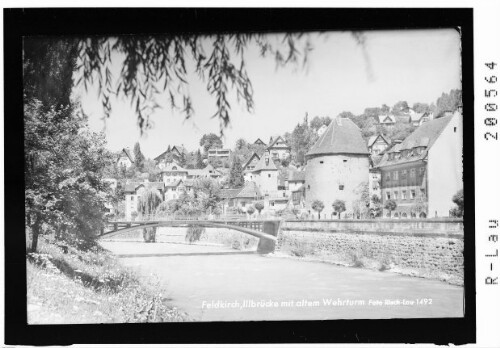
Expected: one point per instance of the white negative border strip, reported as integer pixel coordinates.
(487, 170)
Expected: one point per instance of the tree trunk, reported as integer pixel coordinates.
(35, 233)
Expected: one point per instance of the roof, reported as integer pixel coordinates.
(250, 159)
(374, 138)
(229, 193)
(297, 176)
(259, 142)
(403, 118)
(341, 137)
(128, 154)
(180, 149)
(262, 165)
(250, 190)
(173, 167)
(174, 183)
(274, 140)
(133, 186)
(417, 116)
(424, 136)
(386, 118)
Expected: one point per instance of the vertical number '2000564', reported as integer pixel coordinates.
(490, 104)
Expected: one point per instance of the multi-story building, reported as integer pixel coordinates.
(218, 153)
(378, 144)
(265, 175)
(173, 172)
(337, 166)
(249, 166)
(278, 148)
(125, 158)
(174, 153)
(422, 173)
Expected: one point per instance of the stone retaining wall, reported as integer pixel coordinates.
(417, 227)
(431, 254)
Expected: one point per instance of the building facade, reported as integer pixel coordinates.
(278, 148)
(337, 166)
(424, 172)
(125, 159)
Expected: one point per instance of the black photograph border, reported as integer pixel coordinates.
(107, 21)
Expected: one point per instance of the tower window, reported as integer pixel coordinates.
(341, 187)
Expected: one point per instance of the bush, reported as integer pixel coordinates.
(194, 233)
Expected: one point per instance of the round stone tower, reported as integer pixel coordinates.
(337, 166)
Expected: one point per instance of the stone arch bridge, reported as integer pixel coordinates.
(265, 230)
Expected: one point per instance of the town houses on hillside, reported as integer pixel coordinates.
(420, 174)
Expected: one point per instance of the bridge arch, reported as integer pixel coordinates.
(266, 230)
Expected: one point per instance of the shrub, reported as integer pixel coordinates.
(194, 233)
(259, 206)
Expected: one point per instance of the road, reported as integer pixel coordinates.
(215, 283)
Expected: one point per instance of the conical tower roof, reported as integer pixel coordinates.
(341, 137)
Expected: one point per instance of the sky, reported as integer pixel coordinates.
(341, 75)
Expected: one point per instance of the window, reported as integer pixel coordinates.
(395, 175)
(388, 195)
(341, 187)
(395, 194)
(454, 129)
(345, 161)
(321, 162)
(403, 194)
(132, 198)
(388, 176)
(268, 175)
(243, 204)
(308, 187)
(412, 194)
(404, 173)
(272, 204)
(422, 192)
(412, 173)
(422, 170)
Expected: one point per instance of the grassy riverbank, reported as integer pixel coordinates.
(86, 284)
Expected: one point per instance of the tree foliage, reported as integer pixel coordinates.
(458, 199)
(138, 157)
(236, 179)
(390, 205)
(318, 206)
(259, 206)
(448, 102)
(157, 65)
(210, 140)
(338, 206)
(64, 164)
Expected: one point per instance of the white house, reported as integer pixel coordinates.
(265, 175)
(125, 158)
(278, 148)
(424, 172)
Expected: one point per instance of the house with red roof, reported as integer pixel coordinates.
(422, 173)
